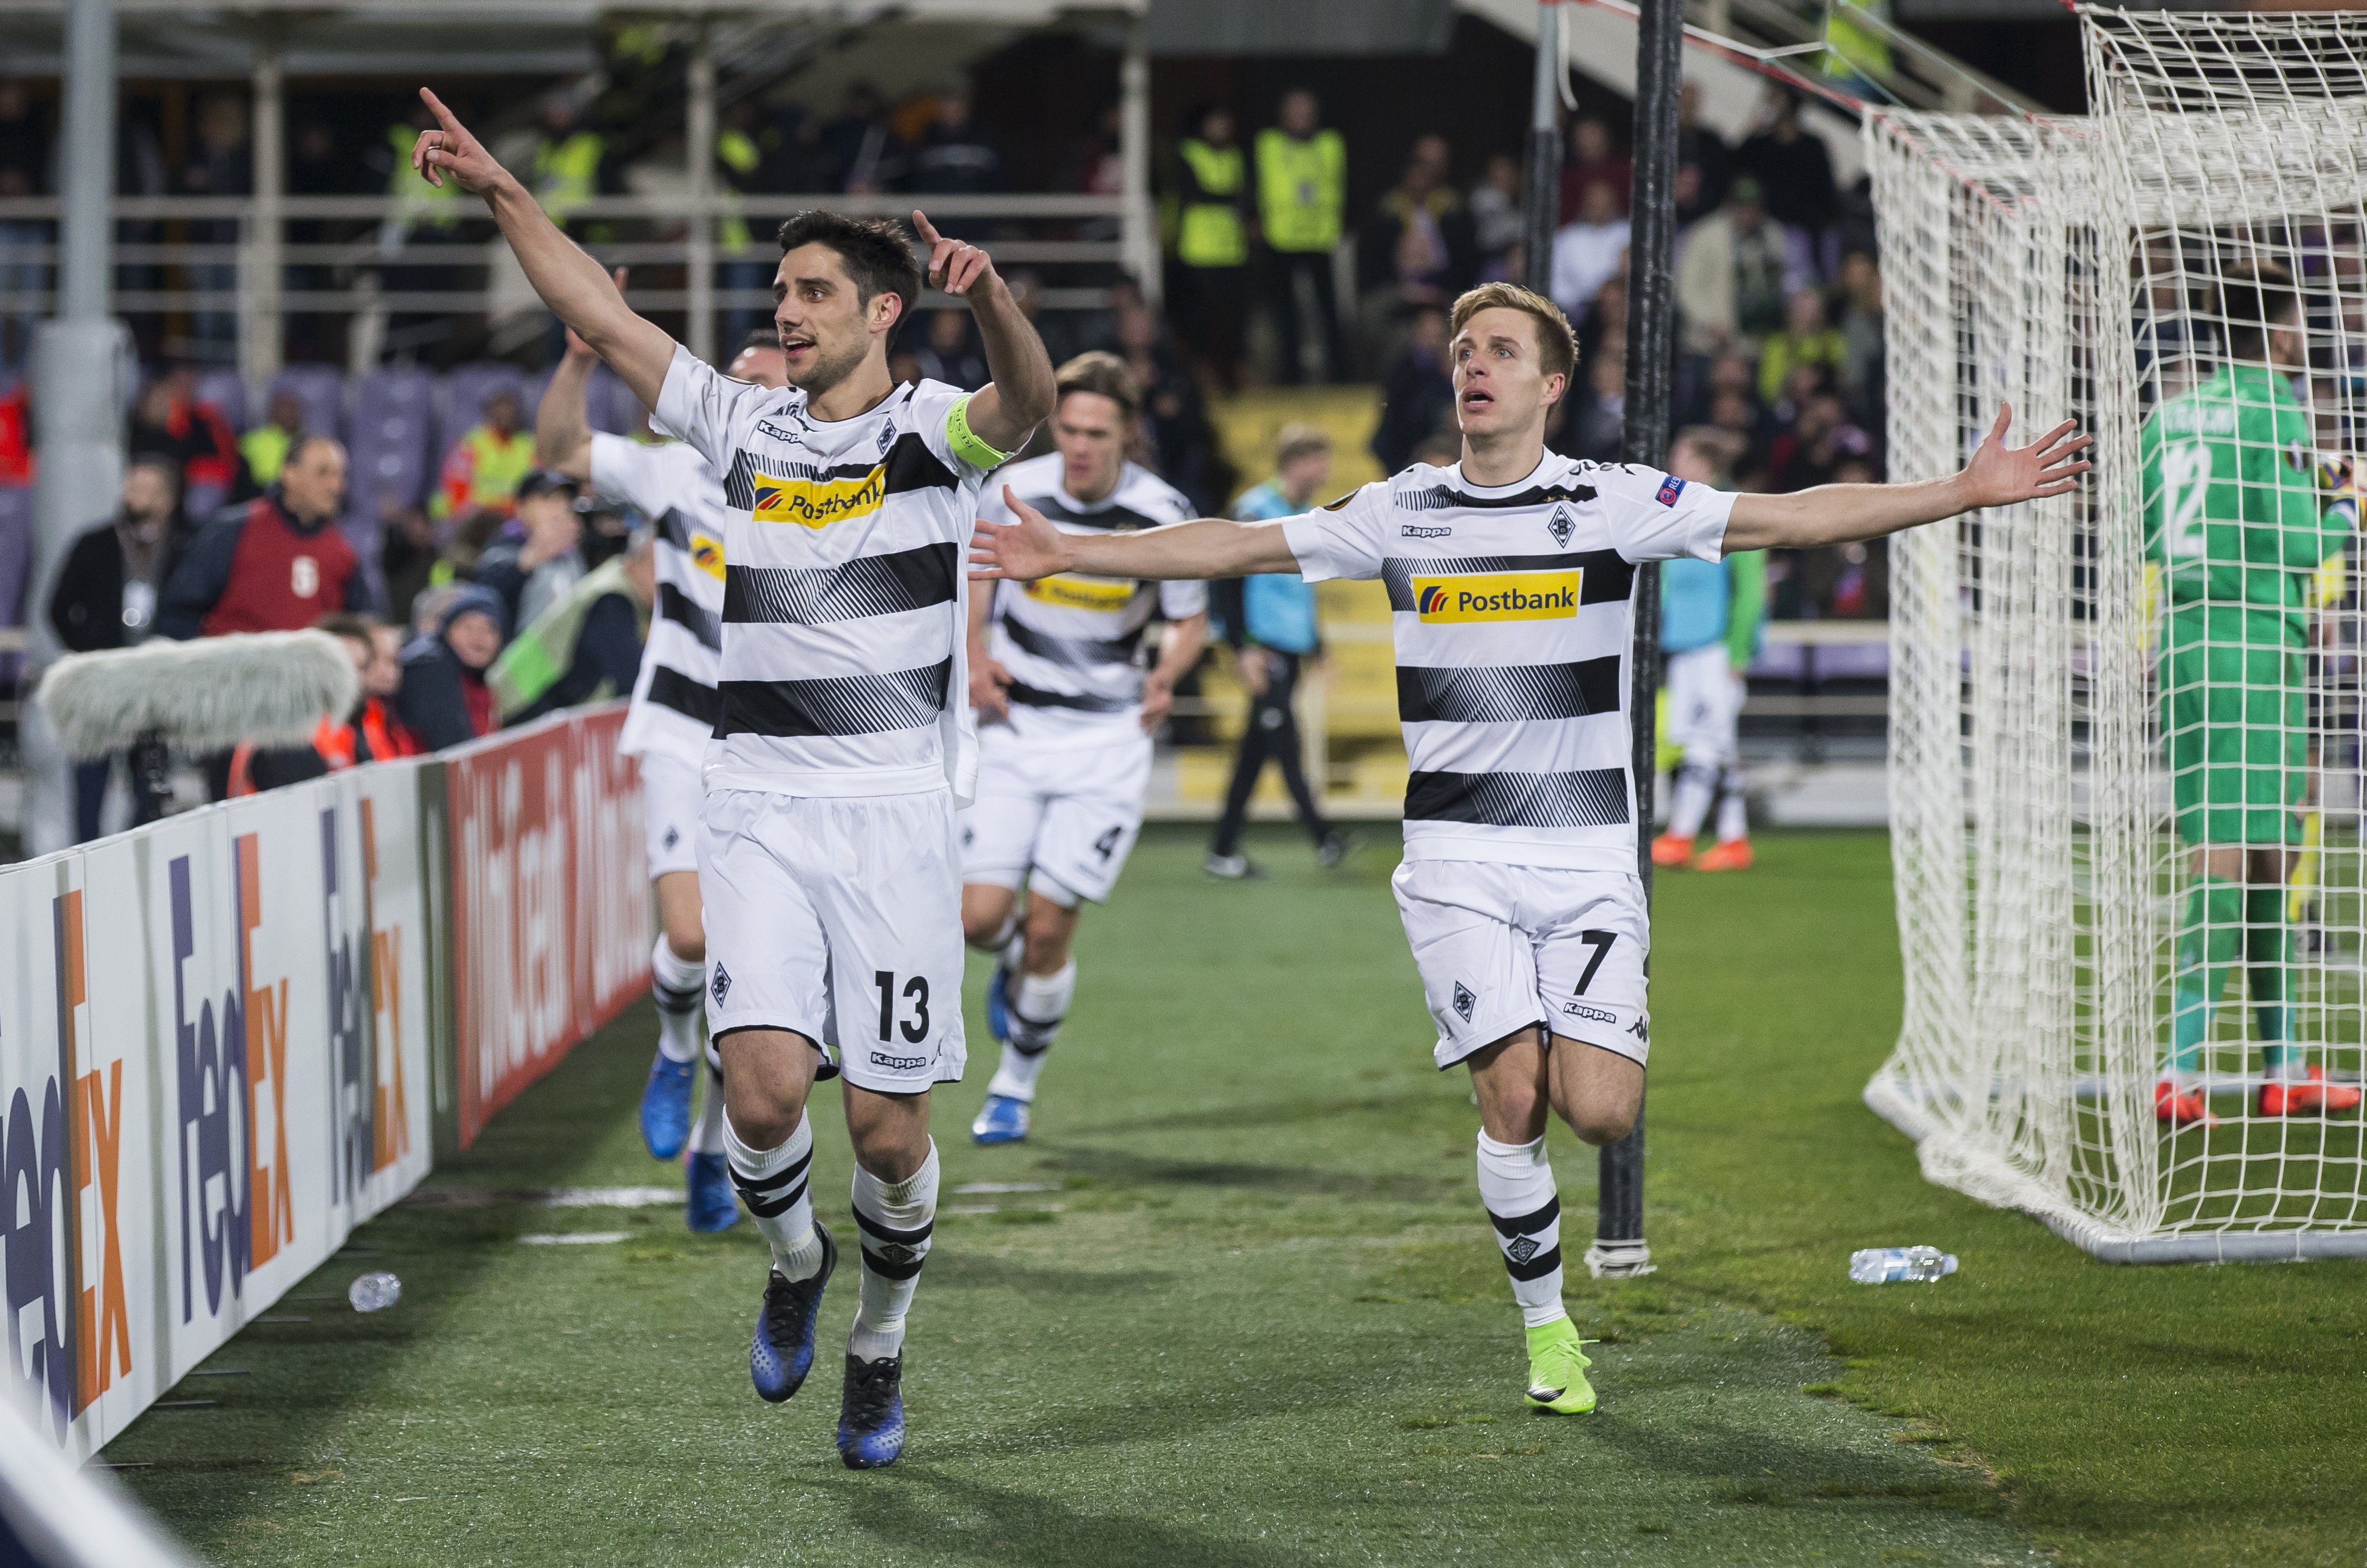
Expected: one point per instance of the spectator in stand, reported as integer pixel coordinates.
(1598, 418)
(407, 558)
(1737, 267)
(949, 353)
(1604, 328)
(1594, 162)
(1212, 244)
(1793, 168)
(275, 564)
(1302, 179)
(17, 436)
(24, 171)
(585, 645)
(1861, 359)
(106, 598)
(482, 469)
(443, 699)
(170, 420)
(372, 733)
(263, 451)
(1420, 237)
(1732, 412)
(1819, 440)
(222, 164)
(538, 556)
(1177, 442)
(1419, 396)
(952, 156)
(569, 163)
(861, 153)
(1495, 219)
(1704, 153)
(1589, 252)
(1807, 339)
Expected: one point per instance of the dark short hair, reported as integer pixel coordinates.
(2252, 301)
(876, 254)
(351, 624)
(169, 465)
(1102, 373)
(759, 337)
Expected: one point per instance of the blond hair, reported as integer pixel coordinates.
(1296, 441)
(1103, 374)
(1557, 344)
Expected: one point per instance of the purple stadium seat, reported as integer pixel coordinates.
(393, 410)
(222, 388)
(466, 391)
(321, 390)
(614, 407)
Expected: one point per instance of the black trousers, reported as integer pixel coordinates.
(145, 763)
(1284, 270)
(1272, 733)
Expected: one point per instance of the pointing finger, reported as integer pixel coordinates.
(443, 116)
(926, 230)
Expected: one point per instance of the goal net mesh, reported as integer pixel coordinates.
(2124, 727)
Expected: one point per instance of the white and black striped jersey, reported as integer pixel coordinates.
(674, 701)
(1073, 644)
(1513, 609)
(845, 597)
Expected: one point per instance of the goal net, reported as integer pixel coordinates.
(2124, 754)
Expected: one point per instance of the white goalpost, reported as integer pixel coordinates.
(2125, 724)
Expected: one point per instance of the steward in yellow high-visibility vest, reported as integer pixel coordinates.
(741, 157)
(566, 163)
(1856, 49)
(1302, 188)
(1213, 190)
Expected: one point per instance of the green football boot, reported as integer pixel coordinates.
(1558, 1369)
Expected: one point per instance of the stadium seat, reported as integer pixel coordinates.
(612, 405)
(393, 409)
(226, 391)
(321, 390)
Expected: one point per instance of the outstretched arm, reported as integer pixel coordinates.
(562, 430)
(573, 285)
(1030, 547)
(1020, 396)
(1999, 475)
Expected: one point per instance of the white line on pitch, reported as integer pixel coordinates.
(575, 1239)
(969, 1188)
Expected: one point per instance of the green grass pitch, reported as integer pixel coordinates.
(1253, 1318)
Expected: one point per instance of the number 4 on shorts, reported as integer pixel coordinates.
(1106, 844)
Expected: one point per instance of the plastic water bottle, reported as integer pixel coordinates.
(1885, 1266)
(376, 1292)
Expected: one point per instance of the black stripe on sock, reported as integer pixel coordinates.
(670, 1000)
(787, 1174)
(780, 1203)
(1538, 1267)
(909, 1269)
(888, 1233)
(1528, 1224)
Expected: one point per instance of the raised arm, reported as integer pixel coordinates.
(1029, 547)
(1020, 397)
(575, 287)
(1998, 475)
(562, 430)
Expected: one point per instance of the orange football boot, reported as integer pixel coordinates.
(1733, 855)
(2176, 1108)
(2308, 1096)
(1670, 850)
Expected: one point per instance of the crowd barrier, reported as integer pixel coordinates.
(229, 1038)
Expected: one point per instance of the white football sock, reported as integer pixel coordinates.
(1004, 934)
(892, 1223)
(1038, 1005)
(1516, 1183)
(1733, 819)
(707, 1138)
(679, 988)
(773, 1184)
(1689, 803)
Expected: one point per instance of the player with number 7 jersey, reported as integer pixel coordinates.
(1512, 581)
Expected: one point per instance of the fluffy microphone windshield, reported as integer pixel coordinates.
(270, 687)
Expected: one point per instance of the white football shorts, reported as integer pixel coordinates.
(1063, 822)
(1500, 947)
(670, 795)
(1704, 705)
(839, 919)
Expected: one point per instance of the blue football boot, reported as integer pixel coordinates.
(1000, 1120)
(665, 1106)
(998, 1005)
(783, 1351)
(710, 1205)
(871, 1413)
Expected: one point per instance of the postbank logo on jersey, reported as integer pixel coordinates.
(1497, 596)
(1083, 593)
(818, 503)
(706, 555)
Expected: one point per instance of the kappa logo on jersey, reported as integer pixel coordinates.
(1580, 1010)
(1497, 596)
(1415, 530)
(1463, 1001)
(766, 427)
(706, 555)
(1083, 593)
(1560, 527)
(818, 503)
(1639, 1031)
(1671, 488)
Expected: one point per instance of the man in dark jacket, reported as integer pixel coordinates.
(443, 699)
(106, 598)
(277, 564)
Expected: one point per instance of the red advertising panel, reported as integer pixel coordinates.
(550, 903)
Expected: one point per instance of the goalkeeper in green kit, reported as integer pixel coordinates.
(2234, 521)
